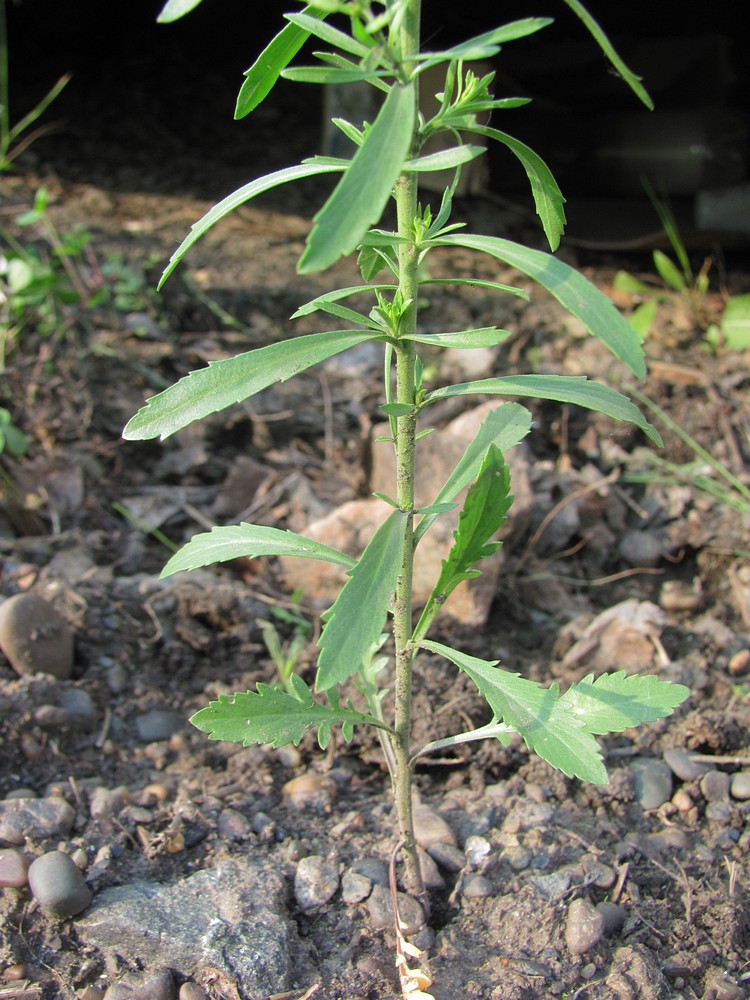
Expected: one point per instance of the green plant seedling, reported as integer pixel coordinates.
(378, 41)
(12, 440)
(286, 655)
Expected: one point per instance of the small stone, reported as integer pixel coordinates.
(671, 838)
(476, 850)
(265, 828)
(14, 869)
(35, 818)
(380, 908)
(527, 816)
(191, 991)
(430, 875)
(652, 781)
(718, 812)
(315, 882)
(448, 856)
(682, 801)
(518, 857)
(739, 663)
(552, 886)
(58, 886)
(715, 786)
(234, 825)
(91, 993)
(614, 916)
(584, 927)
(310, 792)
(431, 829)
(374, 869)
(157, 725)
(679, 596)
(34, 637)
(106, 803)
(156, 985)
(79, 705)
(476, 887)
(355, 887)
(641, 548)
(682, 765)
(740, 787)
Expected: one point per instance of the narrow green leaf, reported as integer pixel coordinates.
(497, 286)
(340, 293)
(360, 197)
(547, 195)
(504, 427)
(536, 713)
(239, 197)
(173, 10)
(571, 289)
(397, 409)
(270, 715)
(735, 323)
(359, 612)
(575, 389)
(445, 159)
(249, 541)
(488, 336)
(627, 283)
(436, 508)
(615, 702)
(669, 273)
(331, 74)
(487, 44)
(231, 380)
(633, 81)
(261, 78)
(329, 34)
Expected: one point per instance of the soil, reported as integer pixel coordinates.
(86, 518)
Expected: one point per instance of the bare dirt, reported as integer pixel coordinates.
(82, 510)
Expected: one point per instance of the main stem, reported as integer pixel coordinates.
(406, 206)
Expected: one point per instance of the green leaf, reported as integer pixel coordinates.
(271, 715)
(249, 541)
(627, 283)
(175, 9)
(397, 409)
(261, 78)
(359, 612)
(571, 289)
(445, 159)
(619, 701)
(231, 380)
(547, 195)
(329, 34)
(497, 286)
(735, 323)
(575, 389)
(643, 316)
(633, 81)
(360, 197)
(504, 427)
(331, 74)
(318, 303)
(547, 726)
(488, 336)
(485, 45)
(669, 273)
(239, 197)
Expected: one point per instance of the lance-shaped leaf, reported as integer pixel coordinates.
(571, 289)
(249, 541)
(271, 715)
(231, 380)
(175, 9)
(329, 34)
(322, 301)
(614, 702)
(261, 78)
(504, 427)
(575, 389)
(488, 336)
(239, 197)
(360, 197)
(487, 44)
(547, 726)
(446, 159)
(356, 619)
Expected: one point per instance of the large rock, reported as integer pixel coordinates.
(231, 918)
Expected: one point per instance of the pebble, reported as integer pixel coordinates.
(448, 856)
(671, 838)
(105, 803)
(315, 882)
(584, 927)
(35, 818)
(740, 786)
(597, 873)
(265, 828)
(682, 801)
(476, 850)
(34, 637)
(156, 985)
(718, 812)
(552, 886)
(158, 724)
(79, 705)
(715, 786)
(739, 663)
(14, 869)
(614, 916)
(652, 781)
(682, 765)
(477, 887)
(380, 908)
(234, 825)
(431, 829)
(355, 887)
(430, 873)
(191, 991)
(58, 885)
(518, 857)
(372, 868)
(310, 792)
(527, 816)
(92, 993)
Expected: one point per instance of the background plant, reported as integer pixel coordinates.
(378, 43)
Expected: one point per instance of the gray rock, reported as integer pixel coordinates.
(354, 887)
(372, 868)
(380, 908)
(682, 765)
(430, 874)
(652, 781)
(79, 705)
(430, 828)
(58, 886)
(35, 818)
(715, 786)
(448, 856)
(234, 825)
(14, 869)
(156, 985)
(518, 857)
(191, 991)
(34, 637)
(158, 724)
(552, 886)
(315, 882)
(231, 918)
(477, 887)
(740, 787)
(584, 927)
(614, 916)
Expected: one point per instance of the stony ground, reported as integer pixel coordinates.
(241, 874)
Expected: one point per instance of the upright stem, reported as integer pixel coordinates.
(406, 206)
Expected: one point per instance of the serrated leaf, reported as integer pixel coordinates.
(270, 715)
(614, 702)
(575, 389)
(504, 427)
(231, 380)
(360, 197)
(261, 78)
(359, 612)
(488, 336)
(536, 713)
(547, 195)
(570, 288)
(175, 9)
(249, 541)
